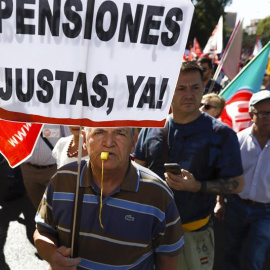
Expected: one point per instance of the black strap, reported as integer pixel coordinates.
(46, 141)
(165, 143)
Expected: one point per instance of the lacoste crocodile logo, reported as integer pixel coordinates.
(129, 218)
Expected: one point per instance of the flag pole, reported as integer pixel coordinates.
(224, 56)
(213, 81)
(76, 192)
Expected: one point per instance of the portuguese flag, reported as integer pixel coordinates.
(238, 93)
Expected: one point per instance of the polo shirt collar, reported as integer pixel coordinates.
(130, 183)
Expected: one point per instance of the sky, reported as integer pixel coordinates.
(249, 9)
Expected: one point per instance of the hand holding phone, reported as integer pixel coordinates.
(173, 168)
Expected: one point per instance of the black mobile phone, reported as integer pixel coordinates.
(172, 168)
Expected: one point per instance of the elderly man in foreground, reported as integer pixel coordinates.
(127, 216)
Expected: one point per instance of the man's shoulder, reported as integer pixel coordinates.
(68, 171)
(205, 125)
(216, 87)
(207, 120)
(71, 167)
(216, 84)
(244, 133)
(213, 126)
(151, 133)
(217, 124)
(149, 137)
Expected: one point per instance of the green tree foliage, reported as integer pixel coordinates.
(205, 18)
(263, 30)
(249, 42)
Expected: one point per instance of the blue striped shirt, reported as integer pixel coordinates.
(140, 219)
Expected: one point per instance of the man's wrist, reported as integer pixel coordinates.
(203, 187)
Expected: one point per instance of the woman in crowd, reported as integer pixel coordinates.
(213, 104)
(67, 148)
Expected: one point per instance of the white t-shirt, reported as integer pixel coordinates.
(59, 152)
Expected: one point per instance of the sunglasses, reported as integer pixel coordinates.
(207, 106)
(262, 115)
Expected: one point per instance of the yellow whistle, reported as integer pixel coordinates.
(104, 155)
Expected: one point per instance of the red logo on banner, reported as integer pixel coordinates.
(18, 140)
(235, 113)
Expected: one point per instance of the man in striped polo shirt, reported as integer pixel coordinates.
(128, 218)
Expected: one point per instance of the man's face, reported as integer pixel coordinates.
(207, 72)
(119, 142)
(188, 93)
(259, 116)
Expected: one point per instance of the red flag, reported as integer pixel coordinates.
(195, 51)
(191, 55)
(215, 59)
(257, 47)
(196, 47)
(232, 52)
(18, 140)
(215, 42)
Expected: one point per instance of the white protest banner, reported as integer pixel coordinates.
(91, 62)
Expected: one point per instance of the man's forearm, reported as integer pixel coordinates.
(57, 257)
(225, 186)
(45, 245)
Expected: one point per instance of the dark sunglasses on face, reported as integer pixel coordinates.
(207, 106)
(204, 69)
(262, 114)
